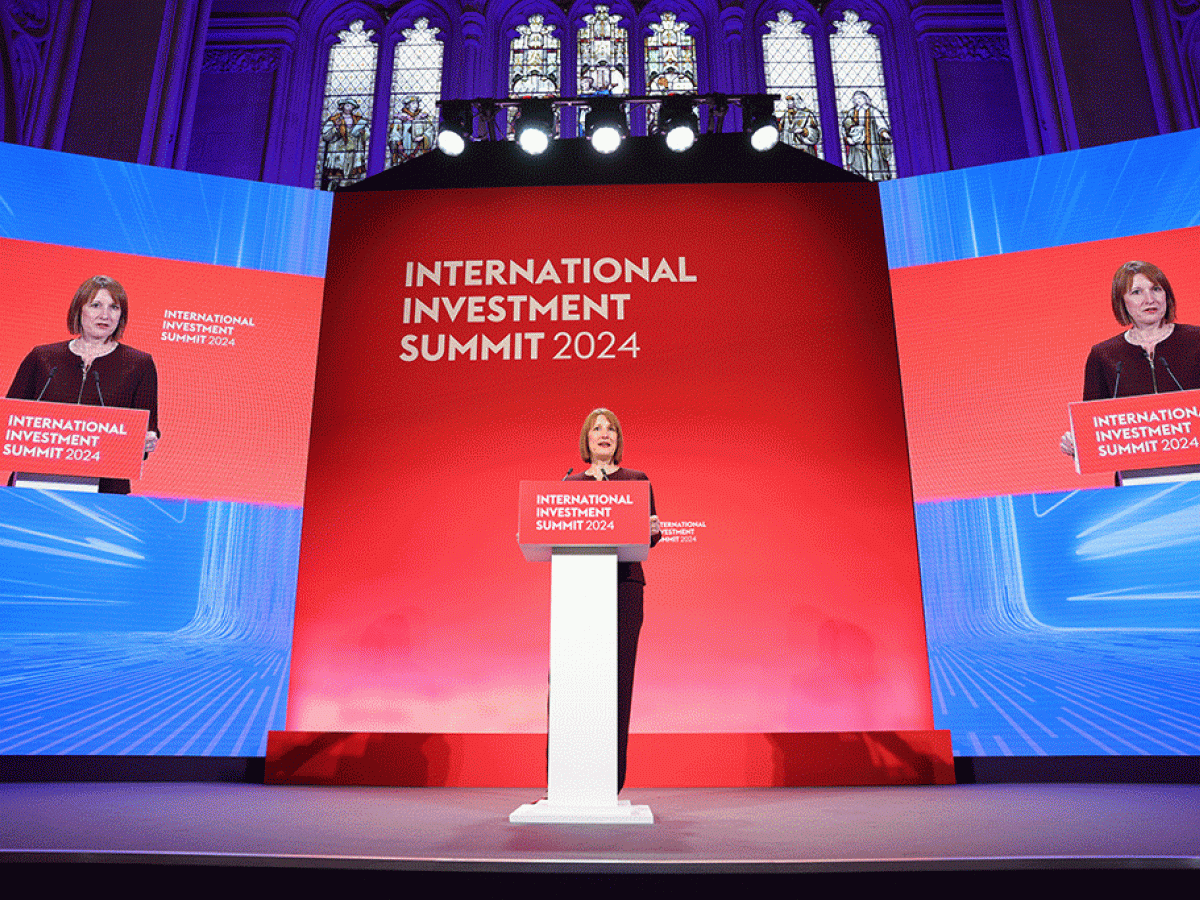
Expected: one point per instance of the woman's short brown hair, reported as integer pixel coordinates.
(84, 295)
(584, 451)
(1124, 278)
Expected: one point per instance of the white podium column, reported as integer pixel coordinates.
(582, 776)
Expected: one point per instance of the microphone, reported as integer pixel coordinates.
(1117, 382)
(53, 369)
(568, 475)
(1166, 366)
(96, 373)
(603, 474)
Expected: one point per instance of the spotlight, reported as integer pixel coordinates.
(456, 127)
(759, 122)
(535, 125)
(677, 120)
(606, 124)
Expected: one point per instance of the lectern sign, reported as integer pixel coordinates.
(1143, 432)
(65, 439)
(584, 514)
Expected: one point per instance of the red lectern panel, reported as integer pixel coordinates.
(584, 514)
(1149, 431)
(66, 439)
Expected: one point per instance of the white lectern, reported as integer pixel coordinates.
(583, 529)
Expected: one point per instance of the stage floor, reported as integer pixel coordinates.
(697, 831)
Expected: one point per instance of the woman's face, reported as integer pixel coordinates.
(100, 316)
(602, 440)
(1145, 301)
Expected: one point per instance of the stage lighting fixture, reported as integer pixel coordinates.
(678, 122)
(456, 127)
(606, 124)
(759, 122)
(535, 125)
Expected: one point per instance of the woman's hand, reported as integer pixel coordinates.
(151, 441)
(654, 529)
(1067, 443)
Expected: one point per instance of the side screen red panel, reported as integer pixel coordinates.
(994, 350)
(234, 350)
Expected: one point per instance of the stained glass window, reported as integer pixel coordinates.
(534, 64)
(346, 110)
(416, 88)
(603, 59)
(792, 73)
(670, 62)
(862, 108)
(670, 57)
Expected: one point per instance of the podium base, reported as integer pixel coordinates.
(81, 483)
(543, 812)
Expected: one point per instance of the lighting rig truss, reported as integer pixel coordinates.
(606, 121)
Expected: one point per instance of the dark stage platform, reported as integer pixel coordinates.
(698, 832)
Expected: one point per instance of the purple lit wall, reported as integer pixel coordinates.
(233, 87)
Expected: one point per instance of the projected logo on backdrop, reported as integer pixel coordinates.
(531, 309)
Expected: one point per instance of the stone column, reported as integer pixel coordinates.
(1173, 105)
(174, 83)
(475, 80)
(42, 44)
(1041, 81)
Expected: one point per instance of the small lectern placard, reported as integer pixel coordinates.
(1148, 431)
(66, 439)
(584, 514)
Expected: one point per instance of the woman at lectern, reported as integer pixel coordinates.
(601, 444)
(1154, 355)
(94, 368)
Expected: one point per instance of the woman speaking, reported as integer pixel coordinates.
(94, 368)
(601, 445)
(1154, 355)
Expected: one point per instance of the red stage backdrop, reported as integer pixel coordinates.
(744, 337)
(234, 349)
(994, 350)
